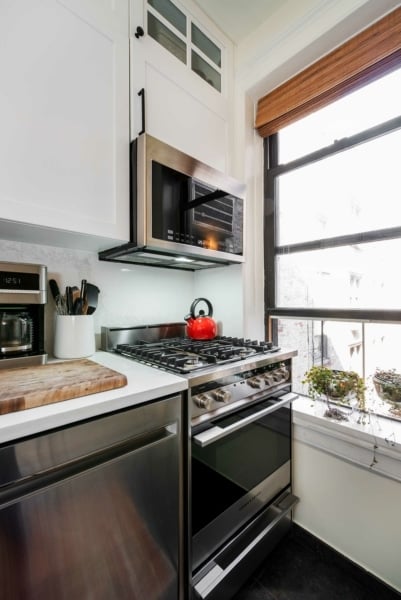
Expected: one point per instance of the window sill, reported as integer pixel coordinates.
(374, 446)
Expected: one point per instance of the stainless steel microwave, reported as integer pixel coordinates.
(184, 214)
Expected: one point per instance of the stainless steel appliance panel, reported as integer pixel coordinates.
(184, 214)
(94, 510)
(23, 296)
(244, 471)
(231, 566)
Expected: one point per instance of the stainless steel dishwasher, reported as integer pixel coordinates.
(93, 510)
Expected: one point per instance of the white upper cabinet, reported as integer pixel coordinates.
(64, 115)
(185, 68)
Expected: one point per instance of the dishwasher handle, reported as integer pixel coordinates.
(16, 490)
(204, 438)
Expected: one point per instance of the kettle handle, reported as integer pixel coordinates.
(195, 302)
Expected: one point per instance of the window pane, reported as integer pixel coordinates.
(353, 191)
(343, 118)
(204, 70)
(333, 344)
(347, 346)
(298, 334)
(167, 38)
(357, 276)
(208, 48)
(170, 12)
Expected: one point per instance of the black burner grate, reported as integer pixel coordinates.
(184, 355)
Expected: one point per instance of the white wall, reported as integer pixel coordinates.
(223, 287)
(299, 33)
(353, 510)
(129, 295)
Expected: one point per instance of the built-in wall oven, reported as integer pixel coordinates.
(238, 456)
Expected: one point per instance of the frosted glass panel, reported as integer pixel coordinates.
(171, 13)
(208, 48)
(167, 38)
(204, 70)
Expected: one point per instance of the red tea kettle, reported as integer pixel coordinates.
(201, 327)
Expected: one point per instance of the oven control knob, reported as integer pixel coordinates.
(278, 376)
(254, 382)
(285, 373)
(222, 395)
(269, 380)
(202, 401)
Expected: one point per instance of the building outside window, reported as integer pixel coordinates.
(333, 236)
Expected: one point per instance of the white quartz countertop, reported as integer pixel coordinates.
(144, 384)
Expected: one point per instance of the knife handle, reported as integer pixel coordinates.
(69, 300)
(54, 289)
(77, 309)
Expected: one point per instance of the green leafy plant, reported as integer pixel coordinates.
(335, 386)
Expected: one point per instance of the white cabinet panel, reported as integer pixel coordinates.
(64, 114)
(181, 108)
(179, 117)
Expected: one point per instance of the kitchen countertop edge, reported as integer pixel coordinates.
(144, 385)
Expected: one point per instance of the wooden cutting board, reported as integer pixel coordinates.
(30, 387)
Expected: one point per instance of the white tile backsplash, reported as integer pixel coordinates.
(133, 295)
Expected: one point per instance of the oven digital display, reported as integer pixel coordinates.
(10, 280)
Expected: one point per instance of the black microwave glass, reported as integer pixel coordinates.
(188, 211)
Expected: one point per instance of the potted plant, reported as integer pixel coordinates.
(340, 387)
(388, 385)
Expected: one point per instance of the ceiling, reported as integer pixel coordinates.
(238, 18)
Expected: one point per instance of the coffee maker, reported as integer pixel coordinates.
(23, 297)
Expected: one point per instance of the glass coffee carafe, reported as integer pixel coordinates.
(16, 332)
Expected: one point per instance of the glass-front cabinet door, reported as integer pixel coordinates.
(178, 34)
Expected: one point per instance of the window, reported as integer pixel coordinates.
(333, 235)
(171, 28)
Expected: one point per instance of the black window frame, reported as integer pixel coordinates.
(272, 169)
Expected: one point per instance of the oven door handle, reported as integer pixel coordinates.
(204, 438)
(233, 561)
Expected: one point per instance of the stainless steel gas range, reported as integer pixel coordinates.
(239, 455)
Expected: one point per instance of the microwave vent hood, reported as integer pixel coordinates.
(183, 213)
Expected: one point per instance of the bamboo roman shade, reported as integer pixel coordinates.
(371, 53)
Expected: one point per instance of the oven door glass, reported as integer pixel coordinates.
(237, 475)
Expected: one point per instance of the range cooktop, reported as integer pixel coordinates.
(166, 346)
(186, 355)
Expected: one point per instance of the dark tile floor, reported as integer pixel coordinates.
(303, 568)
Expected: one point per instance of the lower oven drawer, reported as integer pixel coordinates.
(228, 570)
(242, 472)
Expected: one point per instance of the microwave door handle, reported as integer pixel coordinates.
(206, 198)
(204, 438)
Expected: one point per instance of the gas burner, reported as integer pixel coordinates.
(247, 343)
(192, 360)
(165, 355)
(245, 352)
(185, 355)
